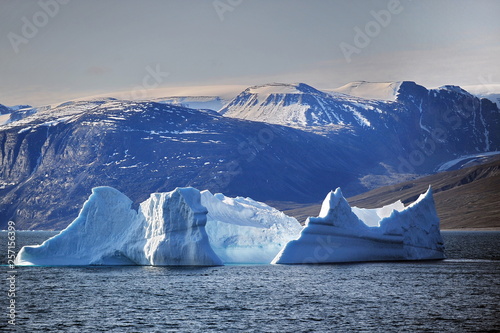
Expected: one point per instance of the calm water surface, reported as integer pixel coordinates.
(460, 294)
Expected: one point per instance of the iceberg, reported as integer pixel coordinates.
(339, 234)
(173, 228)
(242, 230)
(168, 229)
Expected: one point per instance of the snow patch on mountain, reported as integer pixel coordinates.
(4, 119)
(275, 88)
(462, 161)
(362, 121)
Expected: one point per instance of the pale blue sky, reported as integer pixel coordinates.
(96, 47)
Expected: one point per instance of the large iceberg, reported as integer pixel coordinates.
(173, 228)
(340, 235)
(168, 229)
(189, 227)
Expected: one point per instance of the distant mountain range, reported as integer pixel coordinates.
(275, 142)
(411, 130)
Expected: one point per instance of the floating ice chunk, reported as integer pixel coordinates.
(242, 230)
(338, 235)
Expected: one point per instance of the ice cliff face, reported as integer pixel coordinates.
(418, 224)
(339, 235)
(174, 230)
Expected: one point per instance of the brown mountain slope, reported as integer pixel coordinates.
(466, 198)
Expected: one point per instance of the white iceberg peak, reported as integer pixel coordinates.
(335, 211)
(332, 200)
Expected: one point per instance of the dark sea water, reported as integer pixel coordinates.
(459, 294)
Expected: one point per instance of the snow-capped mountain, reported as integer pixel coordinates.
(17, 112)
(414, 128)
(299, 105)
